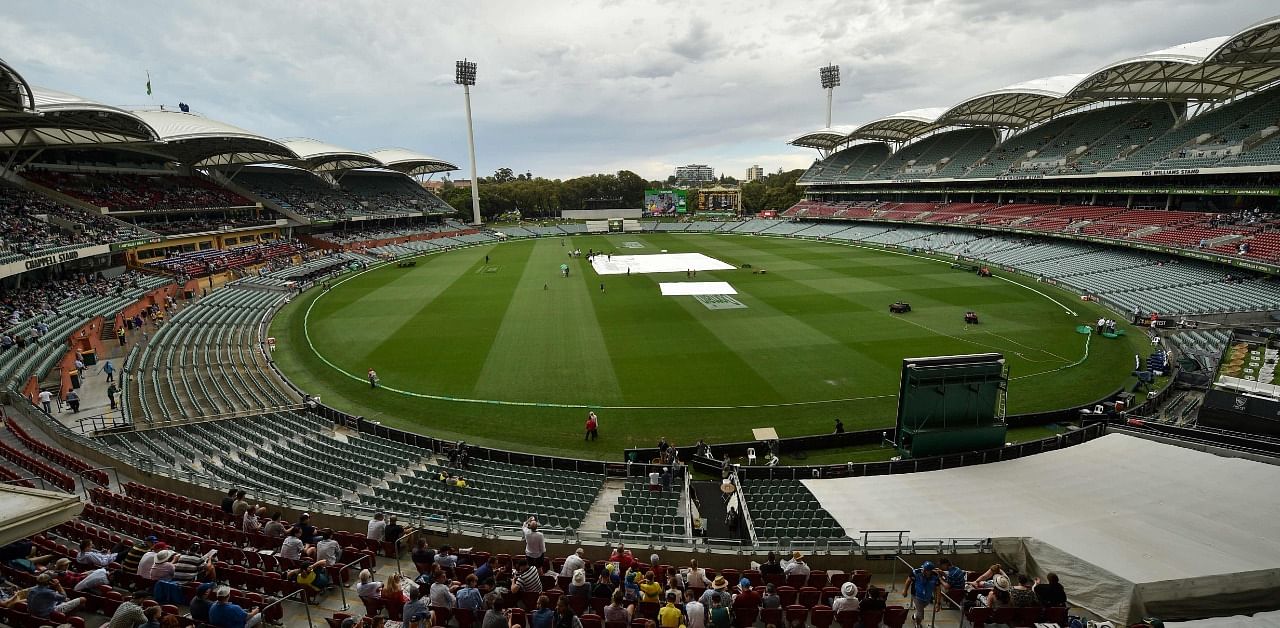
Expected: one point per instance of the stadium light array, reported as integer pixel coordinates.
(830, 75)
(465, 75)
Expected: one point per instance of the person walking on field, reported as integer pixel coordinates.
(373, 378)
(593, 424)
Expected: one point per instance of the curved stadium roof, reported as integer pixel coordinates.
(410, 162)
(319, 156)
(62, 119)
(824, 139)
(199, 141)
(15, 93)
(1213, 69)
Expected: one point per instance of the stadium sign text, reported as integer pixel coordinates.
(50, 260)
(1169, 172)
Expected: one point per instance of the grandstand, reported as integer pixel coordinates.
(1145, 190)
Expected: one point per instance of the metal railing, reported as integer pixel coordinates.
(299, 594)
(342, 586)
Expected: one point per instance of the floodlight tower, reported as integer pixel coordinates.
(830, 75)
(466, 77)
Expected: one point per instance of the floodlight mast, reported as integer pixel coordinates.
(466, 77)
(830, 75)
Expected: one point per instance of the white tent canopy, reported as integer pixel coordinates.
(1132, 527)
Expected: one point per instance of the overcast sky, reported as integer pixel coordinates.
(574, 88)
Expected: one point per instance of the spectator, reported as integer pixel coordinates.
(617, 611)
(239, 506)
(393, 531)
(771, 566)
(528, 577)
(226, 614)
(86, 557)
(367, 586)
(848, 598)
(718, 616)
(130, 613)
(311, 576)
(293, 548)
(49, 596)
(447, 560)
(418, 608)
(746, 596)
(578, 584)
(622, 557)
(275, 527)
(252, 522)
(543, 616)
(393, 590)
(573, 562)
(953, 577)
(770, 599)
(194, 565)
(442, 592)
(485, 572)
(874, 600)
(469, 596)
(152, 615)
(796, 566)
(695, 613)
(94, 579)
(163, 567)
(604, 586)
(328, 550)
(201, 601)
(987, 579)
(669, 616)
(718, 586)
(1051, 593)
(535, 546)
(308, 530)
(696, 576)
(998, 597)
(229, 500)
(135, 553)
(650, 590)
(921, 585)
(148, 559)
(423, 556)
(377, 527)
(1021, 595)
(495, 615)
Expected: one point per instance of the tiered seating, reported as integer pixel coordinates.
(904, 211)
(786, 510)
(1009, 214)
(58, 456)
(393, 192)
(1086, 129)
(1173, 143)
(1262, 246)
(206, 360)
(497, 493)
(1060, 218)
(1190, 237)
(208, 261)
(27, 226)
(920, 159)
(1014, 150)
(1145, 124)
(47, 472)
(139, 192)
(646, 513)
(850, 164)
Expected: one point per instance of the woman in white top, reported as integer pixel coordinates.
(696, 577)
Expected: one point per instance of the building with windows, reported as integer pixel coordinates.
(695, 174)
(755, 173)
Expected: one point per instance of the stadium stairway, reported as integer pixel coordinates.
(711, 507)
(598, 514)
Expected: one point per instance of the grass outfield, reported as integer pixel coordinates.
(815, 341)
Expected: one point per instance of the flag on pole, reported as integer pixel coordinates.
(148, 82)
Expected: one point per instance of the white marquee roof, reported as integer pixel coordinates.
(902, 126)
(410, 162)
(824, 139)
(324, 157)
(1017, 105)
(199, 141)
(1258, 43)
(61, 119)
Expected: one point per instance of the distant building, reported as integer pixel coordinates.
(435, 185)
(695, 174)
(755, 173)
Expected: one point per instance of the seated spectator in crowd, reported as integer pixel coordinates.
(367, 585)
(442, 591)
(393, 590)
(564, 615)
(393, 531)
(275, 527)
(578, 584)
(194, 565)
(1021, 595)
(446, 559)
(770, 599)
(130, 613)
(61, 571)
(622, 557)
(252, 522)
(746, 596)
(152, 615)
(573, 562)
(469, 596)
(239, 506)
(796, 566)
(847, 600)
(695, 613)
(998, 597)
(953, 577)
(485, 572)
(329, 550)
(423, 556)
(163, 568)
(987, 579)
(618, 609)
(229, 500)
(495, 615)
(148, 559)
(377, 527)
(669, 616)
(543, 615)
(201, 601)
(226, 614)
(1051, 593)
(87, 557)
(604, 586)
(676, 585)
(874, 600)
(94, 579)
(528, 578)
(308, 531)
(418, 608)
(718, 586)
(311, 577)
(293, 548)
(131, 558)
(49, 596)
(650, 590)
(718, 616)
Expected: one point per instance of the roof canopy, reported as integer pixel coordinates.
(323, 157)
(900, 127)
(61, 119)
(1017, 105)
(824, 139)
(1213, 69)
(199, 141)
(410, 162)
(15, 93)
